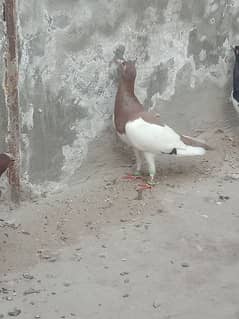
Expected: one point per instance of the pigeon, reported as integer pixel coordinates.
(143, 130)
(5, 160)
(235, 91)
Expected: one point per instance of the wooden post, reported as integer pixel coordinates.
(11, 96)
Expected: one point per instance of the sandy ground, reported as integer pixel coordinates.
(96, 251)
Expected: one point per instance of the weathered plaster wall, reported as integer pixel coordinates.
(3, 114)
(67, 86)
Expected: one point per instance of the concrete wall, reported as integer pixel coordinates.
(67, 86)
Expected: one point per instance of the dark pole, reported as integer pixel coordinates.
(11, 96)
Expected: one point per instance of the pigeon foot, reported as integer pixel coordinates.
(132, 177)
(143, 187)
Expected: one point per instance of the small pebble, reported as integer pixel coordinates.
(221, 197)
(156, 305)
(25, 233)
(185, 265)
(28, 276)
(123, 220)
(9, 298)
(124, 273)
(15, 312)
(31, 291)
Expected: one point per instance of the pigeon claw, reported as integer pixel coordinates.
(130, 177)
(143, 187)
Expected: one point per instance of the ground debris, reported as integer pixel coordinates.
(156, 304)
(9, 224)
(24, 232)
(223, 198)
(139, 195)
(232, 177)
(31, 291)
(124, 273)
(15, 312)
(27, 276)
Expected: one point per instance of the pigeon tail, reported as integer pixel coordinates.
(191, 151)
(193, 147)
(190, 141)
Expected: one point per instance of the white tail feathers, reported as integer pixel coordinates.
(191, 151)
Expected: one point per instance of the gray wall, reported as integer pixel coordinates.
(67, 85)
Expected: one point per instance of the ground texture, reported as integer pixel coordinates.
(99, 251)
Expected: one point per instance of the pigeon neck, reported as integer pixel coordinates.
(127, 86)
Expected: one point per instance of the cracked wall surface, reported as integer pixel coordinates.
(67, 80)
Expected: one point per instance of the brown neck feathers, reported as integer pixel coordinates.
(127, 86)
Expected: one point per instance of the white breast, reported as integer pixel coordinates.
(152, 138)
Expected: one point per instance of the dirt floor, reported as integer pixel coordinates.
(98, 251)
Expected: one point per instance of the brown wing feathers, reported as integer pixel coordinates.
(193, 142)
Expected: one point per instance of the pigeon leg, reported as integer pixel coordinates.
(137, 173)
(152, 170)
(138, 155)
(151, 165)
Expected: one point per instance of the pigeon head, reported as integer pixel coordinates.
(127, 70)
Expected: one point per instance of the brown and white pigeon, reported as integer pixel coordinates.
(143, 130)
(5, 160)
